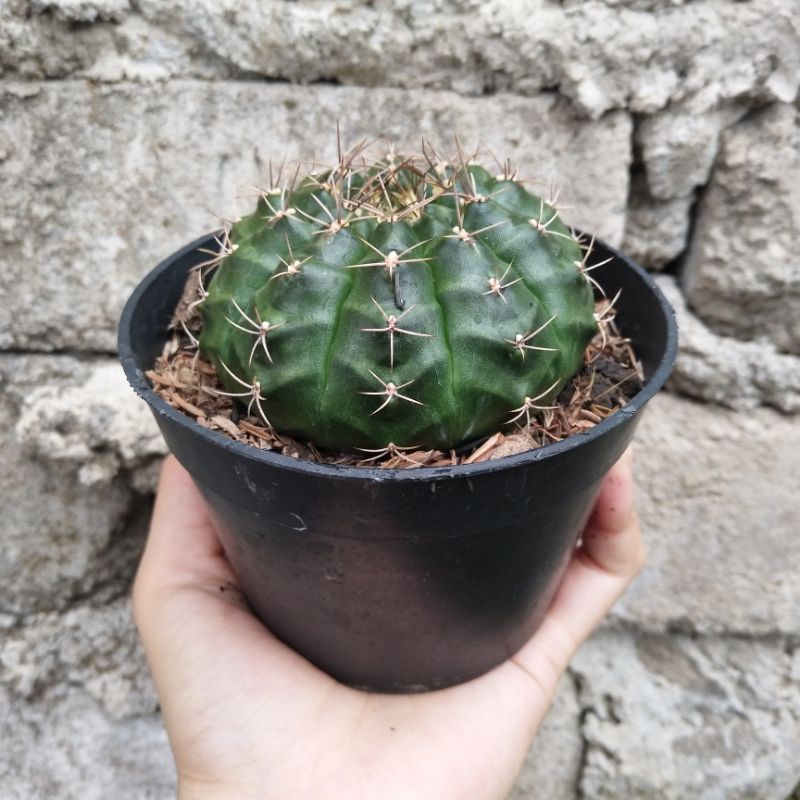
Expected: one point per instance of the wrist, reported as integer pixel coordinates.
(192, 789)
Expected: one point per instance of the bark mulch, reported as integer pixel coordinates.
(611, 375)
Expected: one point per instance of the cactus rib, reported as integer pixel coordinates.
(457, 300)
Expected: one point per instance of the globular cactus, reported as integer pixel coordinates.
(404, 302)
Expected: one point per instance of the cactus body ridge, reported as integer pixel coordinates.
(403, 302)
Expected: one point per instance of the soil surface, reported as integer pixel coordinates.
(611, 375)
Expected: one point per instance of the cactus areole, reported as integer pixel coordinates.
(406, 302)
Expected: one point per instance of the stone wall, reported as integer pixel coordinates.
(674, 127)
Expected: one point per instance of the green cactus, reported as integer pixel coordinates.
(401, 303)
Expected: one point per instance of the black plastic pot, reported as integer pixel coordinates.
(399, 580)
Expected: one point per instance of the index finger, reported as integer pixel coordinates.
(610, 555)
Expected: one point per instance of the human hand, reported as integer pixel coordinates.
(247, 717)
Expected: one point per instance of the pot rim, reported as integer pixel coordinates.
(142, 387)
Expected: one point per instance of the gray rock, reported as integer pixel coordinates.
(138, 167)
(60, 540)
(721, 369)
(712, 719)
(552, 767)
(82, 10)
(54, 533)
(656, 231)
(63, 745)
(94, 648)
(678, 148)
(98, 426)
(637, 53)
(719, 514)
(742, 275)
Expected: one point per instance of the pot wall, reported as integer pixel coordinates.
(399, 580)
(400, 585)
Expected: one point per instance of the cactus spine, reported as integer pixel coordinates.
(397, 303)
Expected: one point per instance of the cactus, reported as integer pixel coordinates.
(404, 302)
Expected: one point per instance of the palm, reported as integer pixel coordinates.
(249, 717)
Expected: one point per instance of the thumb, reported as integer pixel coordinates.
(183, 549)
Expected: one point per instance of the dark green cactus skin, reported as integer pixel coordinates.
(468, 373)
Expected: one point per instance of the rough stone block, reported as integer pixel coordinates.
(600, 55)
(55, 533)
(656, 231)
(721, 369)
(742, 275)
(83, 10)
(552, 768)
(97, 426)
(60, 539)
(111, 180)
(675, 718)
(719, 514)
(63, 745)
(94, 648)
(678, 148)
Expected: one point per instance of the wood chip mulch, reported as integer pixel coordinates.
(610, 377)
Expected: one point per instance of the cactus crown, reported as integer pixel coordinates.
(405, 301)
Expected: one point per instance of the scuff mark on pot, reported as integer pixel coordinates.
(300, 526)
(261, 491)
(296, 523)
(333, 574)
(243, 473)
